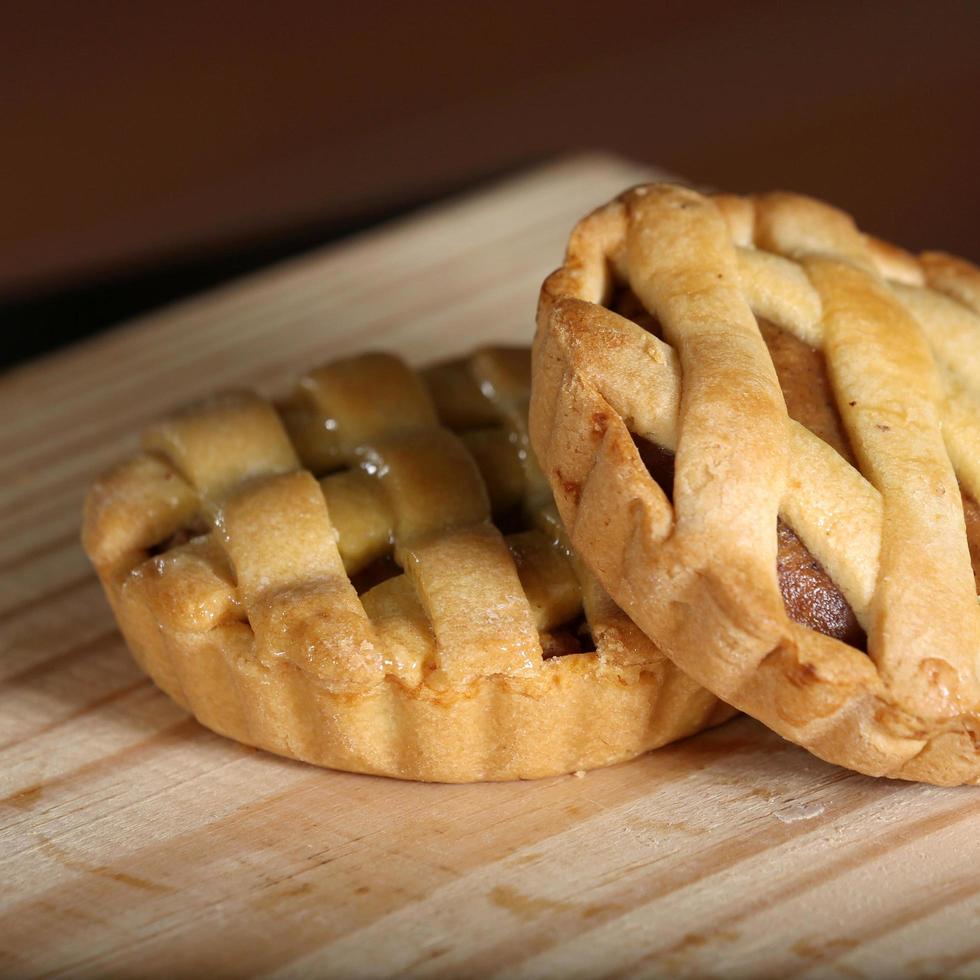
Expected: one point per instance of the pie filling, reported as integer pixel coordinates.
(573, 637)
(180, 537)
(971, 511)
(380, 570)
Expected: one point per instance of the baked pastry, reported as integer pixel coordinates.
(762, 428)
(323, 580)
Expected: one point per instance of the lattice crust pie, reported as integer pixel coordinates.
(763, 431)
(372, 576)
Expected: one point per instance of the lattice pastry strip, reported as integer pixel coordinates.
(888, 529)
(431, 482)
(335, 410)
(342, 594)
(292, 581)
(486, 628)
(891, 406)
(221, 443)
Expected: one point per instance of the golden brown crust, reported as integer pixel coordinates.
(699, 574)
(376, 619)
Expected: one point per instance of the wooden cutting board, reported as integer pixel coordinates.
(135, 842)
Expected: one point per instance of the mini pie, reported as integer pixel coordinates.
(323, 579)
(762, 428)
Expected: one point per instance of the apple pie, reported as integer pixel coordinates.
(762, 429)
(371, 576)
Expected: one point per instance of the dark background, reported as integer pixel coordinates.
(152, 149)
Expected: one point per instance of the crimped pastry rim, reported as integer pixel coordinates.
(496, 729)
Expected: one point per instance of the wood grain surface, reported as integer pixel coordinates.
(135, 842)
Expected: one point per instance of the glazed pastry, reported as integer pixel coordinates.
(371, 576)
(762, 428)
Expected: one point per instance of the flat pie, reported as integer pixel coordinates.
(762, 428)
(371, 576)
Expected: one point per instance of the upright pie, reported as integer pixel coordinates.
(371, 576)
(762, 428)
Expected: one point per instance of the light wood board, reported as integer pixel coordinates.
(134, 842)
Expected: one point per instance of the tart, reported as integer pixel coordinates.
(762, 428)
(371, 576)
